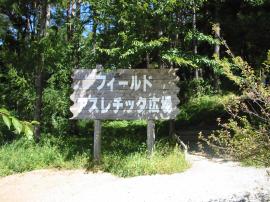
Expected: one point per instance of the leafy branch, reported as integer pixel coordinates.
(21, 127)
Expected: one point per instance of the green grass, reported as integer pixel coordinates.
(165, 160)
(123, 153)
(22, 155)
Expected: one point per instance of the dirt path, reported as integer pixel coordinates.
(205, 181)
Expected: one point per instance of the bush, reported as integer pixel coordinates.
(246, 136)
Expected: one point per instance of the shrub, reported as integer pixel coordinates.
(246, 136)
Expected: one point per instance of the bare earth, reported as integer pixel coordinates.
(207, 180)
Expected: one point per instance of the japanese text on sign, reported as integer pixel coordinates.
(124, 94)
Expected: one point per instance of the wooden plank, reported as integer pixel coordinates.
(107, 108)
(125, 94)
(97, 141)
(121, 111)
(150, 136)
(122, 115)
(95, 84)
(125, 103)
(122, 93)
(85, 74)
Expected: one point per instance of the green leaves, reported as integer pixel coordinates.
(23, 127)
(17, 125)
(200, 37)
(6, 117)
(6, 121)
(193, 61)
(4, 111)
(28, 131)
(179, 60)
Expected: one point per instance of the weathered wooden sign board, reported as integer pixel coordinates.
(125, 94)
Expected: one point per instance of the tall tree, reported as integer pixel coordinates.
(44, 21)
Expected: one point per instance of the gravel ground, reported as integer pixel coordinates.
(206, 180)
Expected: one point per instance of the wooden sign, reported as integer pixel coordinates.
(125, 94)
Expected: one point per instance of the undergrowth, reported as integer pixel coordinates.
(23, 155)
(165, 160)
(123, 153)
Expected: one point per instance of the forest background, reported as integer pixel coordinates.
(42, 42)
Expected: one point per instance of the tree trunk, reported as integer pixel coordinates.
(217, 35)
(94, 31)
(217, 47)
(44, 21)
(195, 45)
(73, 15)
(77, 40)
(68, 21)
(217, 53)
(160, 34)
(38, 104)
(147, 58)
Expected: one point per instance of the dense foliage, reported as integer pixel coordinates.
(245, 136)
(42, 42)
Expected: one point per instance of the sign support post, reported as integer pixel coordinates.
(97, 140)
(150, 136)
(172, 128)
(124, 94)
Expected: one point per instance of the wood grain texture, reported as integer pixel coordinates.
(122, 93)
(160, 84)
(97, 141)
(128, 103)
(122, 115)
(150, 136)
(96, 92)
(85, 74)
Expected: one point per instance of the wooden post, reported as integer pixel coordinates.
(171, 128)
(150, 136)
(97, 140)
